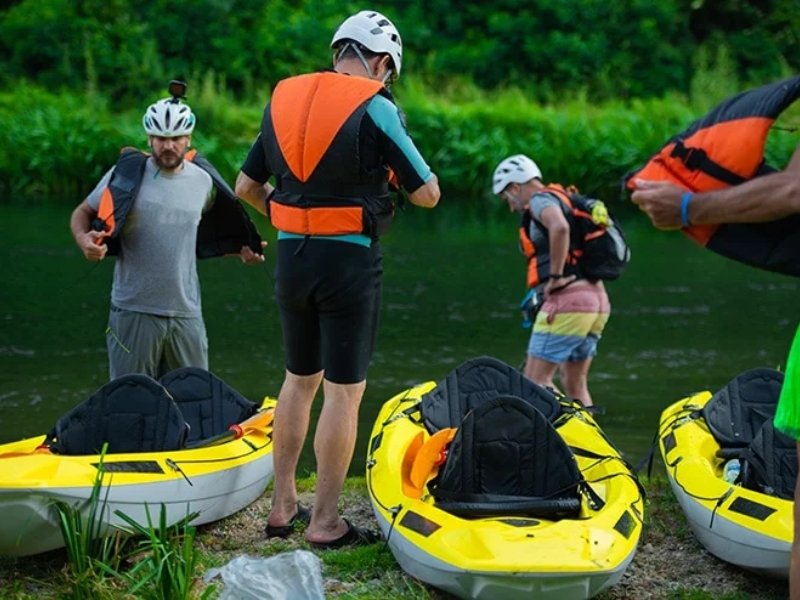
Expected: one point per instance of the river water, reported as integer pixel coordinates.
(683, 320)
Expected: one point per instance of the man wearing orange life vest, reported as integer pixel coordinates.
(759, 200)
(575, 310)
(156, 212)
(334, 142)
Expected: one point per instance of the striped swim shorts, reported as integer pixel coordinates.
(570, 324)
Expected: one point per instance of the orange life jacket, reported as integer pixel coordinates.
(539, 269)
(311, 137)
(725, 148)
(223, 229)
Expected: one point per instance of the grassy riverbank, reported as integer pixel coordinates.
(669, 562)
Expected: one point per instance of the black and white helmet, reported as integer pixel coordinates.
(168, 118)
(373, 31)
(514, 169)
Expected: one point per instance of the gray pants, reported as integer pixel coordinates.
(154, 345)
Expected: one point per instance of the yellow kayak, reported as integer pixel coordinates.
(214, 477)
(733, 518)
(571, 546)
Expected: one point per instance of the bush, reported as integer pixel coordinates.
(59, 144)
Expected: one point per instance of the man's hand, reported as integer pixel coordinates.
(659, 200)
(92, 245)
(249, 257)
(557, 283)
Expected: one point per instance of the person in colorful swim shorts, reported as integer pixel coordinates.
(572, 311)
(335, 142)
(759, 200)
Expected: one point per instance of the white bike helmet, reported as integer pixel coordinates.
(514, 169)
(373, 31)
(168, 118)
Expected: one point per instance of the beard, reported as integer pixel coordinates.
(167, 159)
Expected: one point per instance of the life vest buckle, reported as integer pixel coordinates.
(693, 158)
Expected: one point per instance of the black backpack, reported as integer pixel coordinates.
(605, 251)
(598, 249)
(599, 242)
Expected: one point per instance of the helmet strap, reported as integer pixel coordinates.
(363, 60)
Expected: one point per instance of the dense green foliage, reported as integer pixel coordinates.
(69, 138)
(589, 88)
(639, 48)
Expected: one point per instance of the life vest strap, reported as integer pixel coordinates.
(697, 159)
(323, 220)
(333, 190)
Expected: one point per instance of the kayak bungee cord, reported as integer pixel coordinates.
(200, 461)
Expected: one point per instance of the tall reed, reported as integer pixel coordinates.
(166, 559)
(88, 544)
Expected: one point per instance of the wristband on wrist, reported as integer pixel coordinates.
(556, 276)
(685, 199)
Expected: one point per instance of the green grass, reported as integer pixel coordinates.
(369, 572)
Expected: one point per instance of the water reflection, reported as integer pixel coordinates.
(683, 320)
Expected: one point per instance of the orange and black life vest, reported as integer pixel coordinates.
(311, 135)
(724, 148)
(539, 258)
(597, 246)
(223, 229)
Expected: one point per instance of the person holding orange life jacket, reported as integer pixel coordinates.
(712, 182)
(157, 213)
(336, 145)
(759, 200)
(573, 309)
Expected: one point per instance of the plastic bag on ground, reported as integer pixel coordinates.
(295, 575)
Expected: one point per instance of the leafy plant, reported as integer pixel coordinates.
(87, 543)
(89, 546)
(165, 559)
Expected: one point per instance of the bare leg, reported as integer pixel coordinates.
(794, 569)
(576, 380)
(540, 371)
(334, 444)
(292, 415)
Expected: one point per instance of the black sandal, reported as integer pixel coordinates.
(302, 516)
(354, 536)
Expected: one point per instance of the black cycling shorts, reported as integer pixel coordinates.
(329, 297)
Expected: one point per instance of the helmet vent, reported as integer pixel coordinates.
(168, 117)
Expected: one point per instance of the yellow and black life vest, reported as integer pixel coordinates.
(223, 229)
(725, 148)
(311, 137)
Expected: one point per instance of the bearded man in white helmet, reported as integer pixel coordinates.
(335, 143)
(571, 310)
(157, 213)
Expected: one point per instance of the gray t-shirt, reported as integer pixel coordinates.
(156, 270)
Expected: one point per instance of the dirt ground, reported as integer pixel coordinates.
(669, 562)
